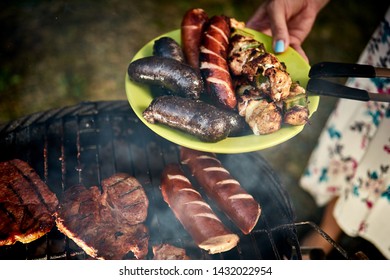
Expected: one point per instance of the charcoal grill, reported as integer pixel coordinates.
(86, 143)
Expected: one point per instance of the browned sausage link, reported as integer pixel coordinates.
(221, 187)
(191, 32)
(194, 213)
(213, 62)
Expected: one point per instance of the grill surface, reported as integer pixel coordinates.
(91, 141)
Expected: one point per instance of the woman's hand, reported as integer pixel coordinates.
(287, 21)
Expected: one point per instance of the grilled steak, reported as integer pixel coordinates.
(168, 252)
(26, 203)
(108, 224)
(126, 199)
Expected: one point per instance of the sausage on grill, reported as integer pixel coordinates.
(213, 62)
(196, 216)
(221, 187)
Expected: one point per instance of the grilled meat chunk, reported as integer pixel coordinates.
(108, 224)
(262, 116)
(168, 252)
(242, 50)
(269, 74)
(126, 198)
(268, 97)
(26, 204)
(297, 115)
(295, 107)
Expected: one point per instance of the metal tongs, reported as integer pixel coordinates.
(319, 86)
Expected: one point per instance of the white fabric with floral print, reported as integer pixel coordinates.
(352, 158)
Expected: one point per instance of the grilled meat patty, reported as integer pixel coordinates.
(26, 203)
(108, 224)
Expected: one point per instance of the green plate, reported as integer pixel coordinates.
(140, 96)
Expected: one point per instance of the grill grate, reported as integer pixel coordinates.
(86, 143)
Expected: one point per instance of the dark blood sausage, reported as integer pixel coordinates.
(196, 117)
(168, 73)
(196, 216)
(222, 188)
(168, 47)
(191, 33)
(213, 62)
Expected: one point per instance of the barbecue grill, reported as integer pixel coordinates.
(86, 143)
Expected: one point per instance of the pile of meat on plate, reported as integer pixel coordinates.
(219, 82)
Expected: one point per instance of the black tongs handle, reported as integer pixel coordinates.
(338, 69)
(324, 87)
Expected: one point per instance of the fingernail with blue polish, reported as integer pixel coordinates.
(279, 46)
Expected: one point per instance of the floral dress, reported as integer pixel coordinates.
(352, 158)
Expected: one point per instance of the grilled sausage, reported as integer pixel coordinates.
(176, 77)
(168, 47)
(196, 216)
(221, 187)
(196, 117)
(191, 33)
(213, 62)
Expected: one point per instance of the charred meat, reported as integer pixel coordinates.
(26, 203)
(243, 49)
(108, 224)
(262, 116)
(295, 106)
(169, 252)
(268, 98)
(248, 58)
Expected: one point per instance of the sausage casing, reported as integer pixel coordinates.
(196, 216)
(192, 26)
(196, 117)
(168, 47)
(176, 77)
(213, 62)
(222, 188)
